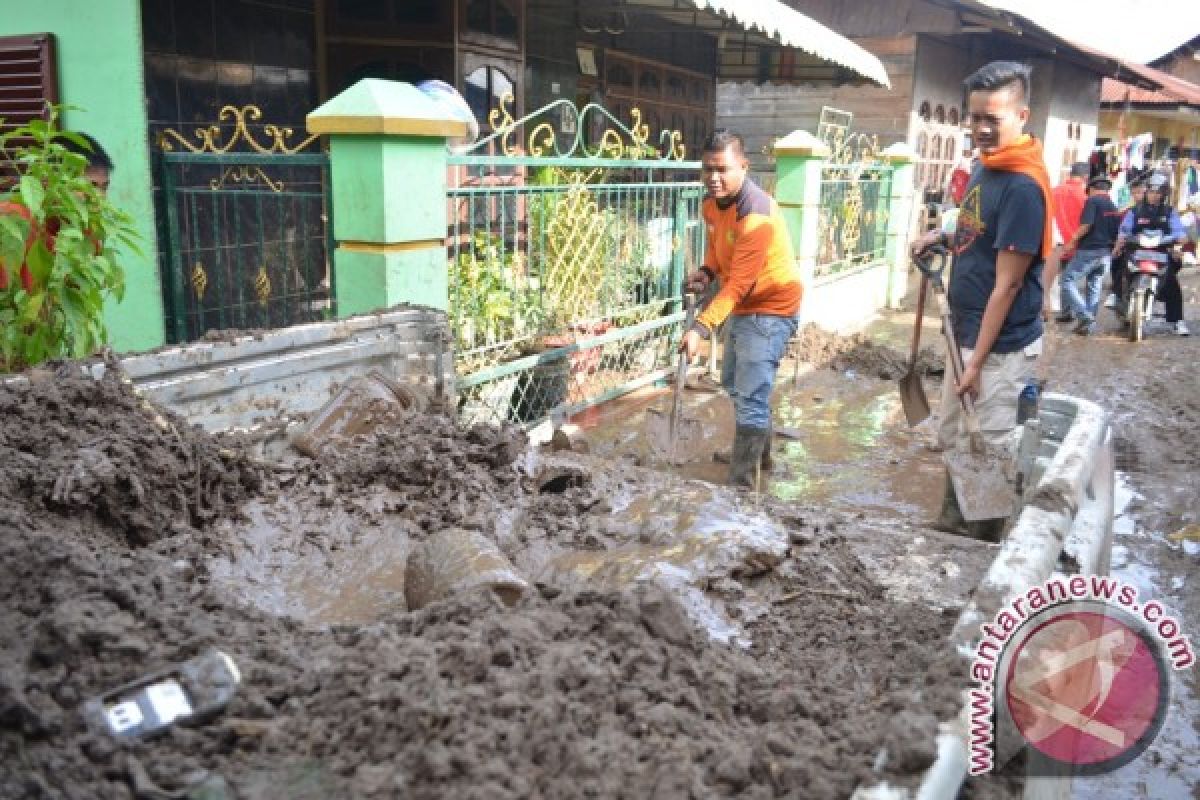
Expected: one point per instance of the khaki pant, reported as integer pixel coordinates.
(1004, 376)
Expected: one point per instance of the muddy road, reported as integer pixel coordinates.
(854, 453)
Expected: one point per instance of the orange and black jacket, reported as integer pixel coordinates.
(750, 252)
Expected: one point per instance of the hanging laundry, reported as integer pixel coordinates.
(1137, 150)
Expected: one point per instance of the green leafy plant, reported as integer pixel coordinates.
(58, 263)
(495, 300)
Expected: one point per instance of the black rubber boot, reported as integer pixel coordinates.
(950, 518)
(746, 458)
(768, 462)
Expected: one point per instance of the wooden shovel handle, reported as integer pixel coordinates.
(916, 340)
(957, 368)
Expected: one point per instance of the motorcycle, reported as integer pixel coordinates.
(1146, 266)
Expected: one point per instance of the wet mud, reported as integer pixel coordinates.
(674, 640)
(861, 354)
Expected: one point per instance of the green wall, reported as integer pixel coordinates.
(99, 47)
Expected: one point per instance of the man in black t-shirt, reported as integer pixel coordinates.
(1002, 237)
(1093, 242)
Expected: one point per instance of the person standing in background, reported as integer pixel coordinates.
(1093, 243)
(1069, 197)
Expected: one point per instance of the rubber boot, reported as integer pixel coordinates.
(950, 518)
(746, 458)
(768, 462)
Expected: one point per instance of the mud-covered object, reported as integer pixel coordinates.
(454, 562)
(359, 407)
(93, 451)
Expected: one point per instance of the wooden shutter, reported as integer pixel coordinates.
(28, 78)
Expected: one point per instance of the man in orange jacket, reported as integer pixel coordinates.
(749, 254)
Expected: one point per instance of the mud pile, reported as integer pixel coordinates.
(569, 693)
(859, 354)
(94, 454)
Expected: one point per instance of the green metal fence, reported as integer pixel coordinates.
(855, 192)
(567, 248)
(246, 234)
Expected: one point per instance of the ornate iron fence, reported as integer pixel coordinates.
(246, 228)
(569, 238)
(855, 190)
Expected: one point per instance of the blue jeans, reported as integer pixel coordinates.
(1089, 264)
(753, 350)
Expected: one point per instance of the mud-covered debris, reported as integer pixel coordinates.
(859, 354)
(92, 449)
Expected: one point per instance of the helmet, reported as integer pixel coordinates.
(1158, 183)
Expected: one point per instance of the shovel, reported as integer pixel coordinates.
(912, 393)
(674, 437)
(983, 489)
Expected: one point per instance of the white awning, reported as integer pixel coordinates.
(788, 27)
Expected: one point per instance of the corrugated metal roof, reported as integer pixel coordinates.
(1174, 90)
(790, 28)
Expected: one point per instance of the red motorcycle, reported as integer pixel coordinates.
(1147, 264)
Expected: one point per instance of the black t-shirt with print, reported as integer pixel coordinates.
(1001, 211)
(1099, 212)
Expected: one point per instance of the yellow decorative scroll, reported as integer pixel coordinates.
(210, 136)
(262, 286)
(501, 118)
(199, 281)
(244, 174)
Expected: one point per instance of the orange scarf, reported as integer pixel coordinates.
(1025, 156)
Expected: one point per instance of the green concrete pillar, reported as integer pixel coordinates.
(899, 225)
(387, 151)
(799, 158)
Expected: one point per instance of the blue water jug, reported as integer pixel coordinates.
(1027, 402)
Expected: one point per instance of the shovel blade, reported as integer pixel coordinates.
(688, 439)
(983, 488)
(912, 397)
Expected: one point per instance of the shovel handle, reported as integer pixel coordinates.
(916, 340)
(957, 368)
(689, 305)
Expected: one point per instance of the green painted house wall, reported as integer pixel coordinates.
(99, 49)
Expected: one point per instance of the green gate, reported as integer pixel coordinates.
(855, 191)
(246, 228)
(570, 235)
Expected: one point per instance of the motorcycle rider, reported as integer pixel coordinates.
(1155, 213)
(1137, 193)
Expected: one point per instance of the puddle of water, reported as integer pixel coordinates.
(1124, 522)
(854, 449)
(325, 567)
(1147, 579)
(1170, 765)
